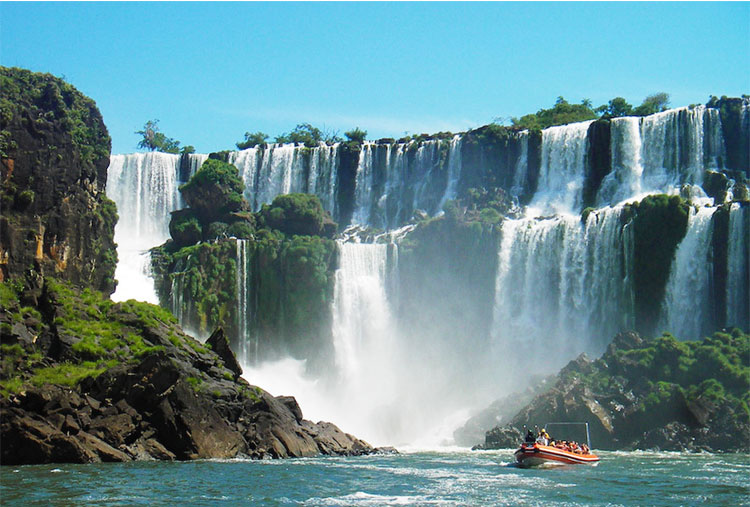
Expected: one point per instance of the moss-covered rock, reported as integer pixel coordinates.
(108, 381)
(640, 391)
(54, 153)
(297, 214)
(214, 191)
(659, 223)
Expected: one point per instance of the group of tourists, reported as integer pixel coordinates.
(543, 438)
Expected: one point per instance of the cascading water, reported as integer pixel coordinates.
(243, 309)
(561, 287)
(145, 188)
(624, 181)
(687, 302)
(738, 273)
(562, 172)
(285, 168)
(675, 149)
(394, 180)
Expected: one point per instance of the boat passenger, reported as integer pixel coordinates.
(530, 438)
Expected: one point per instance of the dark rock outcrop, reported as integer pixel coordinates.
(220, 344)
(54, 153)
(645, 394)
(145, 390)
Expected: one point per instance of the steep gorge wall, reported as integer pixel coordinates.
(55, 153)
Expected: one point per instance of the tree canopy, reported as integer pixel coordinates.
(561, 113)
(252, 140)
(155, 140)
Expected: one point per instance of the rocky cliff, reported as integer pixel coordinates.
(84, 380)
(644, 394)
(54, 153)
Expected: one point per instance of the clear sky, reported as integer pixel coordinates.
(212, 71)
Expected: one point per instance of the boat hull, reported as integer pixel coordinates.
(543, 455)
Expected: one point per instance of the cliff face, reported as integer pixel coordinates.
(54, 149)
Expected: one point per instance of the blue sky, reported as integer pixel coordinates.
(212, 71)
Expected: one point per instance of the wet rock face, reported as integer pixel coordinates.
(54, 153)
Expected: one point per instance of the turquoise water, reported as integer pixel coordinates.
(417, 478)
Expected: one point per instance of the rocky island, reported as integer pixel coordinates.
(649, 394)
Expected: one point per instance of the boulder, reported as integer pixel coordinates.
(219, 344)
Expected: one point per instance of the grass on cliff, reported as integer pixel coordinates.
(103, 334)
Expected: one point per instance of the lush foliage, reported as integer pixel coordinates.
(620, 107)
(712, 376)
(356, 135)
(155, 140)
(561, 113)
(252, 140)
(298, 214)
(308, 135)
(84, 334)
(45, 99)
(214, 190)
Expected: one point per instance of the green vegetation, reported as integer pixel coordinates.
(214, 191)
(356, 135)
(45, 99)
(308, 135)
(298, 214)
(252, 140)
(712, 373)
(561, 113)
(620, 107)
(86, 334)
(155, 140)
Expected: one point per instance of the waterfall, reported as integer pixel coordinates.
(145, 188)
(624, 180)
(362, 322)
(738, 276)
(243, 309)
(454, 171)
(562, 171)
(521, 168)
(285, 168)
(675, 150)
(560, 287)
(686, 311)
(395, 180)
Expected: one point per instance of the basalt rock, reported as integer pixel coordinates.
(648, 394)
(54, 153)
(155, 394)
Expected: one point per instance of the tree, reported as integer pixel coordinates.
(252, 140)
(561, 113)
(357, 135)
(617, 107)
(155, 140)
(303, 133)
(653, 104)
